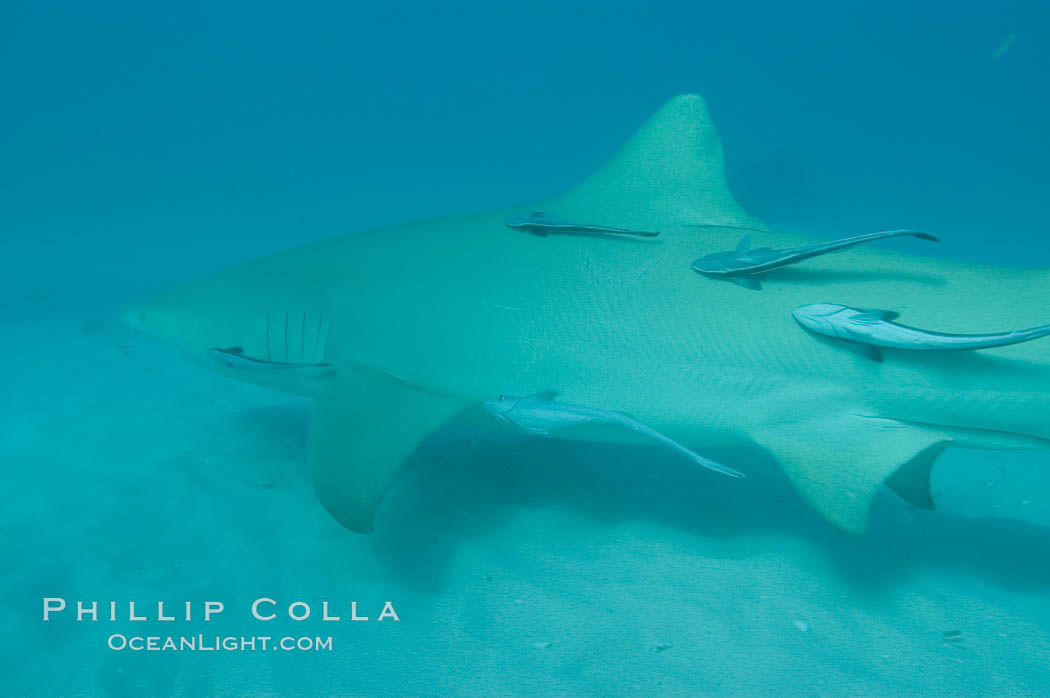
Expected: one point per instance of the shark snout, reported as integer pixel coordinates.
(136, 318)
(153, 319)
(147, 320)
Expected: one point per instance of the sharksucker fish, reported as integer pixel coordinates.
(429, 318)
(865, 330)
(543, 224)
(740, 265)
(540, 414)
(234, 358)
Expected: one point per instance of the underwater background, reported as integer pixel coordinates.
(146, 145)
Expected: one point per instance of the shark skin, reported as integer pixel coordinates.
(424, 319)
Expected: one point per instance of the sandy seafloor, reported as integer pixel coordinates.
(145, 145)
(516, 565)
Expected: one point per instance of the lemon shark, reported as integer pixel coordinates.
(395, 331)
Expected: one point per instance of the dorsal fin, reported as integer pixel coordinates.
(670, 172)
(744, 245)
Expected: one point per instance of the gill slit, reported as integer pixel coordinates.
(324, 339)
(317, 340)
(268, 356)
(302, 340)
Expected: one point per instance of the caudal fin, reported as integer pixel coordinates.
(911, 233)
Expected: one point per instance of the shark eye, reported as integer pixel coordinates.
(502, 398)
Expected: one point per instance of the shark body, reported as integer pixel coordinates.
(425, 319)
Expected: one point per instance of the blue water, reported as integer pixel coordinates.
(143, 146)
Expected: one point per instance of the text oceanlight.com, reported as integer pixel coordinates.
(201, 643)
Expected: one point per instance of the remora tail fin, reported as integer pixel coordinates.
(670, 171)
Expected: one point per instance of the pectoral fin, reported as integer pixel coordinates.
(746, 281)
(363, 428)
(838, 463)
(868, 351)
